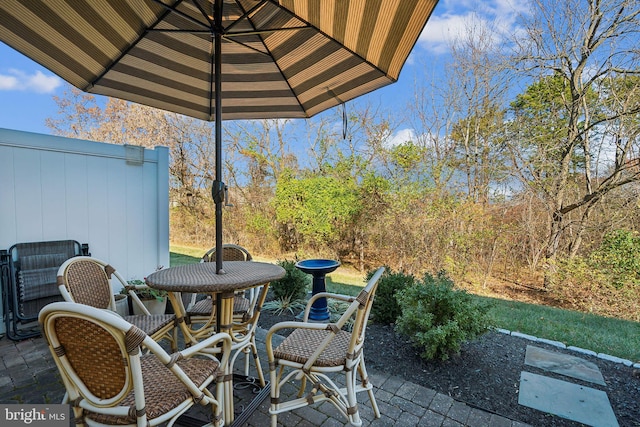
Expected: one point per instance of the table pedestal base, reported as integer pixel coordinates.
(248, 395)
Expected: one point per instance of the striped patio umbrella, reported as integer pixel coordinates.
(220, 59)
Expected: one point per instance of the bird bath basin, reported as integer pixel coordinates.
(318, 268)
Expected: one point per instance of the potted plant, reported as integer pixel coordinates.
(153, 299)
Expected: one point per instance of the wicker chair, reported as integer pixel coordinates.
(230, 252)
(199, 309)
(109, 381)
(246, 311)
(87, 280)
(314, 351)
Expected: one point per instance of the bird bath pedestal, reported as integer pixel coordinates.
(318, 268)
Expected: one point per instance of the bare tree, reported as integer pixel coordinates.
(589, 46)
(477, 84)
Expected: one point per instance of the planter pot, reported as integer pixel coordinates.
(122, 304)
(153, 305)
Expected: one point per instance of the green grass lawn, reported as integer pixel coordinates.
(611, 336)
(601, 334)
(185, 255)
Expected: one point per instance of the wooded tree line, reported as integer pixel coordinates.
(522, 164)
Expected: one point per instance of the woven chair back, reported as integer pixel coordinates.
(364, 301)
(355, 318)
(98, 354)
(94, 356)
(230, 252)
(87, 282)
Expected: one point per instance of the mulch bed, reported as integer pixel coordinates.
(486, 373)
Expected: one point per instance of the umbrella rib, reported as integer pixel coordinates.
(275, 62)
(177, 30)
(268, 30)
(229, 37)
(245, 14)
(246, 46)
(172, 8)
(212, 25)
(124, 52)
(211, 29)
(365, 60)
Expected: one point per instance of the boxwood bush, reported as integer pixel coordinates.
(385, 309)
(438, 318)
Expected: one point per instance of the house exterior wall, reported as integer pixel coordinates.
(54, 188)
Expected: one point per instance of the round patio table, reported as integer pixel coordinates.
(202, 278)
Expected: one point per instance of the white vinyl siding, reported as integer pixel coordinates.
(54, 188)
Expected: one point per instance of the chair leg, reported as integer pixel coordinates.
(352, 402)
(78, 415)
(174, 339)
(256, 361)
(364, 378)
(247, 353)
(216, 407)
(275, 393)
(303, 386)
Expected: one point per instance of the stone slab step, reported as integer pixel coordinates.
(564, 364)
(572, 401)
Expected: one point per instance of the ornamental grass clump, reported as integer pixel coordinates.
(284, 304)
(438, 318)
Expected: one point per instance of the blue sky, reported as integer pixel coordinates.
(27, 89)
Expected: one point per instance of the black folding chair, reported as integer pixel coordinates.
(29, 273)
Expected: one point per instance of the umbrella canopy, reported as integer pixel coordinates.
(220, 59)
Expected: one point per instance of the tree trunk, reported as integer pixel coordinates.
(550, 270)
(574, 247)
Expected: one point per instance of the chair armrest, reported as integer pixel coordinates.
(131, 290)
(341, 297)
(111, 312)
(296, 325)
(211, 342)
(139, 286)
(199, 348)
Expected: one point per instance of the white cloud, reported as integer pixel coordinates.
(8, 82)
(451, 19)
(400, 137)
(440, 31)
(36, 82)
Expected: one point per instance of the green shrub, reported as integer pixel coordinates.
(619, 257)
(582, 286)
(605, 282)
(293, 286)
(438, 318)
(385, 309)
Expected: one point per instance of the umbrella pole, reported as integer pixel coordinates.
(218, 185)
